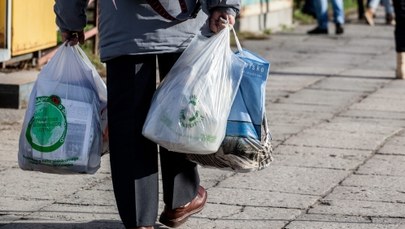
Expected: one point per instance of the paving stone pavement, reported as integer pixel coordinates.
(337, 117)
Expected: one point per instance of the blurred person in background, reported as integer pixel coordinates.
(308, 8)
(399, 7)
(372, 6)
(321, 10)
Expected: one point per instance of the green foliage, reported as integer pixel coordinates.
(303, 18)
(267, 31)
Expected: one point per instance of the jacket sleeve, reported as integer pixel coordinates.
(231, 6)
(70, 14)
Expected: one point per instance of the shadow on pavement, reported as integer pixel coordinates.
(95, 224)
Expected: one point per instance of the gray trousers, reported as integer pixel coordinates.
(131, 82)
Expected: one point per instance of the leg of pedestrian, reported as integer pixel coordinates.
(338, 16)
(399, 7)
(321, 9)
(389, 12)
(370, 11)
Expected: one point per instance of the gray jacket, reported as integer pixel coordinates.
(132, 27)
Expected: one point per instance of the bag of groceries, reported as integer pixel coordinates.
(63, 129)
(190, 108)
(246, 146)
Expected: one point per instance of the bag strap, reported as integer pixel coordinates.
(237, 41)
(160, 9)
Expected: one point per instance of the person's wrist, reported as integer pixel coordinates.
(72, 37)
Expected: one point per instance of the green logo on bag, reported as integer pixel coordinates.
(190, 116)
(46, 130)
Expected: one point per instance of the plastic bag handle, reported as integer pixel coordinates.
(83, 56)
(237, 41)
(234, 34)
(100, 85)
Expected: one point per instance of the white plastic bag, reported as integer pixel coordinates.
(247, 144)
(190, 108)
(62, 129)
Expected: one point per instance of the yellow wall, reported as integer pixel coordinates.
(33, 26)
(2, 23)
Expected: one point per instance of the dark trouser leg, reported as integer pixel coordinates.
(131, 82)
(179, 176)
(399, 8)
(360, 9)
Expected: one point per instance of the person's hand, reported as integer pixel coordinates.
(219, 19)
(73, 37)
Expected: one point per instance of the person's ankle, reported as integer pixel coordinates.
(400, 71)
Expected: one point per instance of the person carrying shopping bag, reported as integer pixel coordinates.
(136, 37)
